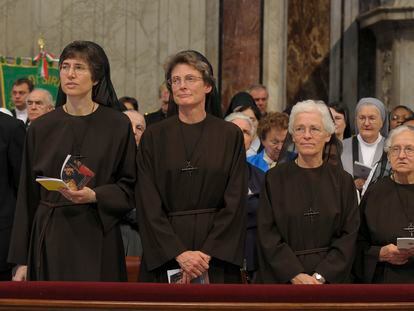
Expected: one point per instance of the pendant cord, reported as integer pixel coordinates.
(188, 155)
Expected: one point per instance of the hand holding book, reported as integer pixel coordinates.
(85, 195)
(74, 175)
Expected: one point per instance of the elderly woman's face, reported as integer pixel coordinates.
(247, 131)
(309, 134)
(273, 142)
(369, 123)
(249, 113)
(188, 86)
(401, 152)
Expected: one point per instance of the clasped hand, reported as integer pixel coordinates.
(85, 195)
(391, 254)
(193, 264)
(303, 278)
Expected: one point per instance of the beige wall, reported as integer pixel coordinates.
(137, 35)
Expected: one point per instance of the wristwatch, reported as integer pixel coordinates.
(319, 277)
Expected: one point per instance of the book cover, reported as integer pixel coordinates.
(175, 276)
(74, 175)
(361, 170)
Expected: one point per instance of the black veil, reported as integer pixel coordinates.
(103, 92)
(213, 105)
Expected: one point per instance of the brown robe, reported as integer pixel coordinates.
(289, 242)
(60, 240)
(383, 220)
(203, 211)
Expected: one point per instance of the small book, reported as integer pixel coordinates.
(361, 170)
(175, 276)
(405, 243)
(74, 175)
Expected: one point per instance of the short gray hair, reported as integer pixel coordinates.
(395, 132)
(311, 105)
(241, 116)
(47, 96)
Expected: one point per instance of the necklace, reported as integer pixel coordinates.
(65, 108)
(189, 168)
(311, 211)
(410, 227)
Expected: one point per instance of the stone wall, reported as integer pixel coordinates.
(137, 35)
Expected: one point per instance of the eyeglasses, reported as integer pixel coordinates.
(188, 79)
(277, 142)
(301, 130)
(79, 69)
(395, 151)
(370, 119)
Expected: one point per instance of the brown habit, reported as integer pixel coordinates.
(290, 242)
(383, 219)
(57, 239)
(202, 210)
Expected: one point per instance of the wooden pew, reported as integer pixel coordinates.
(147, 296)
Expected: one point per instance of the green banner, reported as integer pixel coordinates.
(11, 72)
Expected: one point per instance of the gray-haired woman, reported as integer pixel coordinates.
(388, 214)
(308, 218)
(371, 125)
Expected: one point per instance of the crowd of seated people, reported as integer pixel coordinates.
(259, 196)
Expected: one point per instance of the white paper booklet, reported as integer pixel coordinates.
(405, 243)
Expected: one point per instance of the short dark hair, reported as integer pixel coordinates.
(24, 80)
(254, 108)
(402, 107)
(131, 100)
(91, 53)
(339, 107)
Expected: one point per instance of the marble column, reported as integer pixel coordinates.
(393, 26)
(240, 47)
(308, 50)
(274, 52)
(350, 56)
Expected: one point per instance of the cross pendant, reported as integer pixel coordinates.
(189, 168)
(310, 213)
(410, 228)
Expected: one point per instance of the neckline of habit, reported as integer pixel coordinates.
(94, 108)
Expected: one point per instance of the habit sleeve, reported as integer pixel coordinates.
(367, 254)
(157, 233)
(277, 261)
(27, 202)
(226, 238)
(337, 264)
(115, 199)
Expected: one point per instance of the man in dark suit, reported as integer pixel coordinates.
(160, 114)
(12, 134)
(21, 89)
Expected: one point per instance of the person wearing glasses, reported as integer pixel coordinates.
(74, 235)
(387, 214)
(272, 132)
(399, 115)
(308, 217)
(363, 151)
(192, 183)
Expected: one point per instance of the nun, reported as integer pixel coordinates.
(366, 147)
